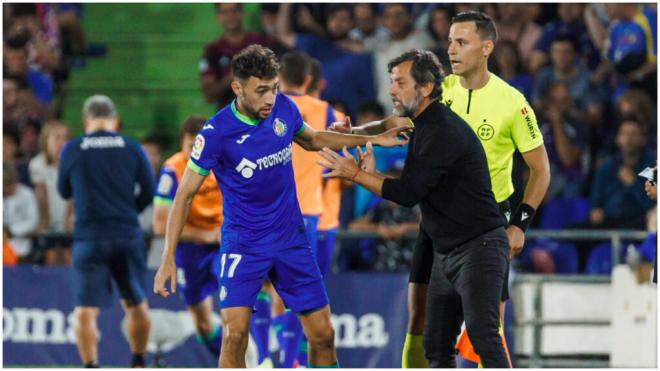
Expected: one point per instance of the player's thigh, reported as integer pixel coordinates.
(198, 270)
(297, 278)
(242, 274)
(129, 268)
(90, 275)
(235, 322)
(422, 261)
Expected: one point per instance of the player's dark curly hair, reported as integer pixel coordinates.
(485, 25)
(425, 69)
(255, 60)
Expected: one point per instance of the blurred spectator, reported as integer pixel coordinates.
(570, 24)
(19, 104)
(269, 26)
(563, 68)
(392, 251)
(215, 66)
(37, 23)
(9, 258)
(153, 148)
(631, 46)
(367, 24)
(547, 256)
(20, 212)
(509, 67)
(72, 34)
(398, 21)
(10, 155)
(513, 25)
(438, 28)
(53, 210)
(566, 139)
(16, 64)
(618, 199)
(348, 72)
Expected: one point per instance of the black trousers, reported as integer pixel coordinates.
(466, 284)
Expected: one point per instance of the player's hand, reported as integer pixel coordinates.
(394, 137)
(167, 270)
(340, 167)
(516, 240)
(342, 127)
(366, 160)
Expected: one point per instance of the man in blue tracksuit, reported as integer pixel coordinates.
(110, 180)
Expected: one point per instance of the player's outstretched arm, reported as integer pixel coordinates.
(313, 140)
(190, 183)
(371, 128)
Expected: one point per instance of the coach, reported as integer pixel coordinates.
(101, 171)
(447, 174)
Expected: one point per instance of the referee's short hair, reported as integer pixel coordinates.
(98, 107)
(255, 60)
(425, 69)
(485, 25)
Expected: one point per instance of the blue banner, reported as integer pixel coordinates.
(369, 316)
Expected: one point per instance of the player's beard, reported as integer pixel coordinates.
(408, 109)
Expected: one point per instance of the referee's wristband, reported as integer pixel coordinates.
(523, 216)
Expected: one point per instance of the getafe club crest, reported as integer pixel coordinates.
(279, 127)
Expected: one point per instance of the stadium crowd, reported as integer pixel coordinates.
(589, 72)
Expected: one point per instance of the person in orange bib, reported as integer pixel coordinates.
(198, 252)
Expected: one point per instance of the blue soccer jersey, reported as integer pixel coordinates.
(252, 161)
(263, 234)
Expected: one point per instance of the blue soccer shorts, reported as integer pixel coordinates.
(292, 270)
(96, 263)
(198, 269)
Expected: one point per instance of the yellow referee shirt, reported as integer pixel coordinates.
(502, 119)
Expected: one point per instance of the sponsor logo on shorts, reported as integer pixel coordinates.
(198, 147)
(223, 293)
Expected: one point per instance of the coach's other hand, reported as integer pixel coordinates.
(366, 160)
(341, 167)
(167, 270)
(516, 240)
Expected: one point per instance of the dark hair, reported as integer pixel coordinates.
(371, 107)
(316, 70)
(18, 38)
(217, 6)
(407, 7)
(255, 60)
(485, 25)
(425, 69)
(565, 38)
(333, 8)
(447, 9)
(294, 67)
(192, 125)
(23, 9)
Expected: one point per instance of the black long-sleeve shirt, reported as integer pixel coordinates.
(447, 174)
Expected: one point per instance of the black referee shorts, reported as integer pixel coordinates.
(422, 260)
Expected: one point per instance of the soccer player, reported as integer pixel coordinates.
(198, 250)
(504, 122)
(100, 170)
(248, 146)
(447, 174)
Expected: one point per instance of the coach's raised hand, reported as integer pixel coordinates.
(167, 270)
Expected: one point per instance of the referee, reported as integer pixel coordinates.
(446, 172)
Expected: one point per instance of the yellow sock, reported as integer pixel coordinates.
(413, 352)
